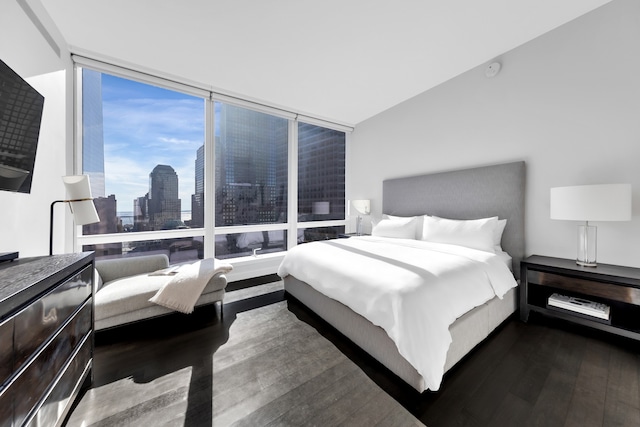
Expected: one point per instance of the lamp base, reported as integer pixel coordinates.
(587, 245)
(586, 264)
(359, 226)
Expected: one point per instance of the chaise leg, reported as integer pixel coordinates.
(219, 312)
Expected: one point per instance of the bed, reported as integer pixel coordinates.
(463, 195)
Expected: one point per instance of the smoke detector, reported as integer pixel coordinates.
(492, 70)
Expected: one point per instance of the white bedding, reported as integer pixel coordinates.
(412, 289)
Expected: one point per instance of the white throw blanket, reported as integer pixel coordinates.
(412, 289)
(184, 289)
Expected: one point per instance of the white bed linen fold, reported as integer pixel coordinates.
(412, 289)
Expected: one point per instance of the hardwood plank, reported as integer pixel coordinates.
(326, 408)
(398, 417)
(543, 346)
(622, 394)
(512, 411)
(587, 403)
(299, 397)
(552, 405)
(463, 380)
(378, 407)
(486, 400)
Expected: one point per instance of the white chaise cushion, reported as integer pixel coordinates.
(130, 294)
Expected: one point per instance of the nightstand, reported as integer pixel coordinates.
(616, 286)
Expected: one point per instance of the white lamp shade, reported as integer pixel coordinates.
(606, 202)
(84, 212)
(79, 188)
(362, 206)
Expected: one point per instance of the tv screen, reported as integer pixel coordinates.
(20, 115)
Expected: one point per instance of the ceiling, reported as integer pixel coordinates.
(344, 61)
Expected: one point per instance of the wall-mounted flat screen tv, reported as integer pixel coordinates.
(20, 116)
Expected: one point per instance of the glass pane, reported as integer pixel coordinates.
(251, 166)
(319, 233)
(321, 164)
(143, 151)
(178, 250)
(243, 244)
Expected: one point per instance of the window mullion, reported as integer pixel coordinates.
(292, 204)
(209, 180)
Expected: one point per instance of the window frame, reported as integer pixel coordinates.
(209, 231)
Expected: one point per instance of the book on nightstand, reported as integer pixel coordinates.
(580, 305)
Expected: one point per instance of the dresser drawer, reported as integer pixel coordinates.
(32, 383)
(6, 350)
(6, 407)
(65, 389)
(626, 294)
(35, 324)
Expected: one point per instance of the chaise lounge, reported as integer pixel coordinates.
(125, 285)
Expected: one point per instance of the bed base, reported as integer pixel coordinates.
(467, 331)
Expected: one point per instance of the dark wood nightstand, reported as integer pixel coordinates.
(616, 286)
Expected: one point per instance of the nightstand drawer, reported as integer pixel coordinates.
(594, 288)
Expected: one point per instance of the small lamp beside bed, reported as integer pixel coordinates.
(363, 207)
(606, 202)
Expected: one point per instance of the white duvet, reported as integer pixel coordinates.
(412, 289)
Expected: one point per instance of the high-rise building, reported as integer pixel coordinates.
(321, 170)
(197, 199)
(251, 167)
(92, 131)
(109, 223)
(141, 213)
(164, 202)
(106, 208)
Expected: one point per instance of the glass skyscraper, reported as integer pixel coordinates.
(92, 131)
(164, 202)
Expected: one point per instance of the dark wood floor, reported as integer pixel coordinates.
(544, 373)
(259, 366)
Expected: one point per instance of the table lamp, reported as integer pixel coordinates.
(80, 201)
(606, 202)
(364, 208)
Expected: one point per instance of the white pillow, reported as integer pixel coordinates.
(475, 233)
(397, 227)
(497, 234)
(418, 223)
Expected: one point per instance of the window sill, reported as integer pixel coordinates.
(249, 266)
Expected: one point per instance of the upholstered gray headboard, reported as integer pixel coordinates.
(466, 194)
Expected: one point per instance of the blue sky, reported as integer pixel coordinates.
(145, 126)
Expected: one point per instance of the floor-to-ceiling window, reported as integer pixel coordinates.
(141, 145)
(251, 181)
(160, 183)
(321, 182)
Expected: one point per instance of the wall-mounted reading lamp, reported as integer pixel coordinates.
(80, 201)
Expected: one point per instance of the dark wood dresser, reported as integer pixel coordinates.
(46, 337)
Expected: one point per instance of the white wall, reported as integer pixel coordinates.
(24, 218)
(568, 103)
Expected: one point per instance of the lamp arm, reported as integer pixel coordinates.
(51, 218)
(51, 225)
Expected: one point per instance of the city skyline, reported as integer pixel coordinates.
(145, 126)
(251, 171)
